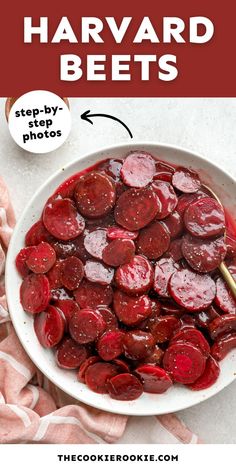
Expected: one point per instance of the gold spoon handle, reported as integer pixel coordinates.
(222, 267)
(228, 278)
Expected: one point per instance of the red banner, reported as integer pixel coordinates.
(126, 54)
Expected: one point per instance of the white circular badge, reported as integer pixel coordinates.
(39, 121)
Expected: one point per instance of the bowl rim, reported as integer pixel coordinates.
(133, 145)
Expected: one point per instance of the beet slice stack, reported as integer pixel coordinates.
(121, 277)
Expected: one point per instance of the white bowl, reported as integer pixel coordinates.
(177, 397)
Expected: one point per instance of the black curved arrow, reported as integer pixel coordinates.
(87, 115)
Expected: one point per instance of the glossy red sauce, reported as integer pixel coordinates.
(108, 290)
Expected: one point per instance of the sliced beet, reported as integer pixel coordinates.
(169, 307)
(205, 218)
(155, 311)
(174, 224)
(120, 232)
(154, 379)
(136, 208)
(93, 295)
(122, 365)
(224, 297)
(138, 344)
(41, 258)
(110, 345)
(136, 277)
(37, 234)
(67, 188)
(95, 242)
(163, 327)
(21, 259)
(231, 245)
(72, 272)
(64, 249)
(130, 310)
(156, 308)
(75, 248)
(118, 252)
(213, 312)
(104, 222)
(155, 357)
(61, 294)
(120, 188)
(141, 325)
(167, 196)
(209, 376)
(35, 293)
(49, 326)
(164, 176)
(186, 180)
(184, 362)
(164, 268)
(62, 219)
(125, 387)
(95, 194)
(203, 255)
(164, 167)
(111, 167)
(109, 317)
(223, 345)
(84, 366)
(97, 376)
(54, 275)
(68, 308)
(187, 198)
(97, 272)
(138, 169)
(193, 336)
(116, 232)
(86, 326)
(202, 319)
(222, 324)
(175, 249)
(192, 291)
(187, 321)
(184, 202)
(79, 248)
(70, 355)
(153, 241)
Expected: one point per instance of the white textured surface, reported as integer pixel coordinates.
(205, 126)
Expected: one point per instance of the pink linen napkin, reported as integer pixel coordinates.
(32, 409)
